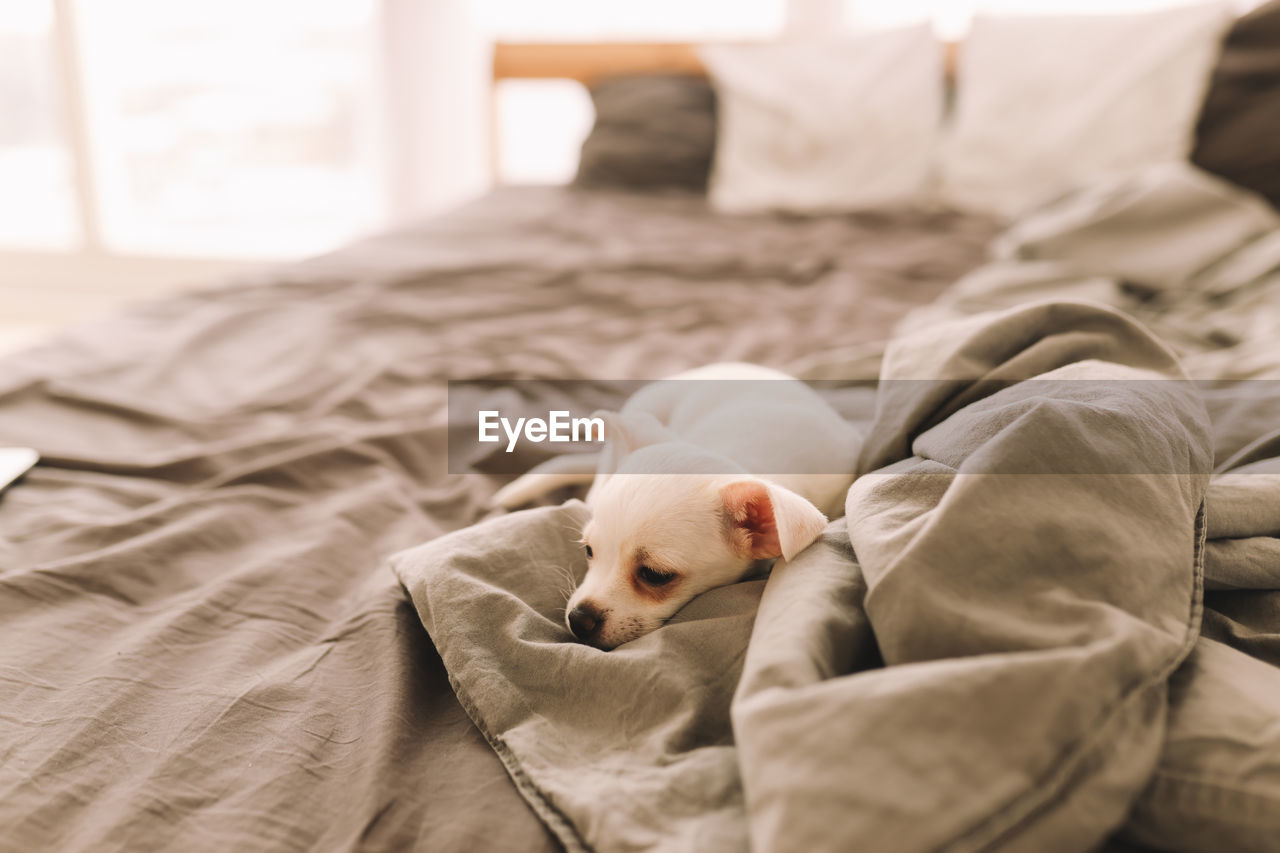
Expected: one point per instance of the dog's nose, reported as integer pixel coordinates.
(584, 620)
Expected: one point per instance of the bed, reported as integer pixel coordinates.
(201, 643)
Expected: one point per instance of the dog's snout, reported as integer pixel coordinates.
(584, 620)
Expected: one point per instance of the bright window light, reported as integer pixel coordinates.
(543, 124)
(37, 202)
(240, 127)
(951, 18)
(581, 20)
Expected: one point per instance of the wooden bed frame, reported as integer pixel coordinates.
(587, 62)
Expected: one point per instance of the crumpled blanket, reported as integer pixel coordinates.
(1048, 621)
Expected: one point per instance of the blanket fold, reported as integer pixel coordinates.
(1029, 619)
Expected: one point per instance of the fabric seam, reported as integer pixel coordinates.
(551, 816)
(1008, 819)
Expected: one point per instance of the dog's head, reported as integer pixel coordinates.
(673, 521)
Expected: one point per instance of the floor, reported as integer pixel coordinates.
(39, 294)
(31, 314)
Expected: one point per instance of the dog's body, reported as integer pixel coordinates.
(699, 481)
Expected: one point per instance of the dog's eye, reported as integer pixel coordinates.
(653, 577)
(590, 554)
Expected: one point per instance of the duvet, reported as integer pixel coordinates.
(1049, 620)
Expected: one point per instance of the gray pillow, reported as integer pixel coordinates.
(652, 131)
(1238, 136)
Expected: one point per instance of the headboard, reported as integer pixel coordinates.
(586, 62)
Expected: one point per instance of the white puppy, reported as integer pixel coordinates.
(698, 483)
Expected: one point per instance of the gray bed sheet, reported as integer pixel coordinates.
(200, 645)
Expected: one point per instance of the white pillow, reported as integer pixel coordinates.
(825, 126)
(1047, 103)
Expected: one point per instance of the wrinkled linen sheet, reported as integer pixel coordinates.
(200, 645)
(1049, 621)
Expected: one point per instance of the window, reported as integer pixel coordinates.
(230, 127)
(951, 17)
(239, 128)
(37, 201)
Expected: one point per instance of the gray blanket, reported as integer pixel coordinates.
(1007, 645)
(200, 646)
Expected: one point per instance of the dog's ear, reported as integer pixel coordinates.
(769, 521)
(629, 432)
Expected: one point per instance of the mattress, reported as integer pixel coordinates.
(200, 641)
